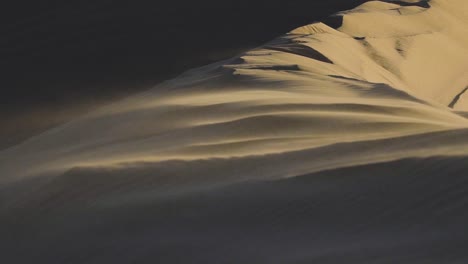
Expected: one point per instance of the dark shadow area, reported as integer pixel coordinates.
(301, 50)
(65, 57)
(457, 98)
(334, 21)
(406, 211)
(422, 3)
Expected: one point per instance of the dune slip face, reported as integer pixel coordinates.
(342, 141)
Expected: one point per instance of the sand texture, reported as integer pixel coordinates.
(342, 141)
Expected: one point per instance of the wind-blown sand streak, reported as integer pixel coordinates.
(323, 146)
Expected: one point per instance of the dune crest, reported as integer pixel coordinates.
(390, 70)
(386, 86)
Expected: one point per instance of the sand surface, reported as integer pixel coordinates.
(343, 141)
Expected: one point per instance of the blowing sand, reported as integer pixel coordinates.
(325, 145)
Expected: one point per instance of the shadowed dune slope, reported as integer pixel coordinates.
(406, 211)
(325, 145)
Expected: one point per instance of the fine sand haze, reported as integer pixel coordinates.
(338, 142)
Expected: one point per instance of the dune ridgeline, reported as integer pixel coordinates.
(342, 141)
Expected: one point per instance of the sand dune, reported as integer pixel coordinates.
(326, 145)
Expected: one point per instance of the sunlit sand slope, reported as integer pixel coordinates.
(343, 141)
